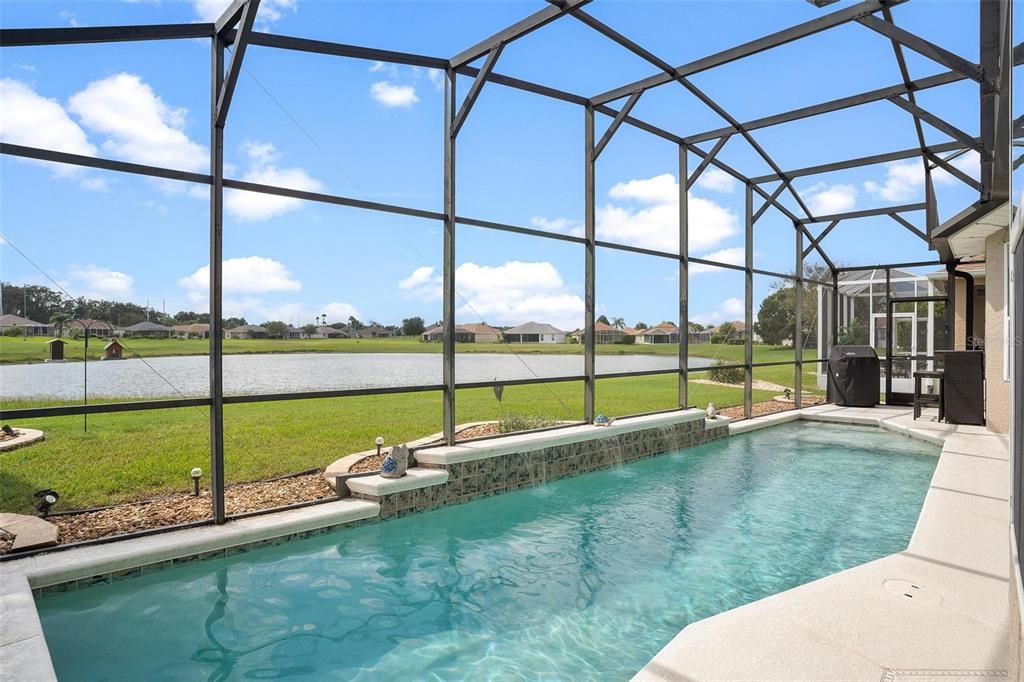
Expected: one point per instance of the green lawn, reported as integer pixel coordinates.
(130, 455)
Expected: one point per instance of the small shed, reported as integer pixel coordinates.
(55, 350)
(113, 350)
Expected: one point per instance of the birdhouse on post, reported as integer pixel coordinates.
(113, 350)
(55, 350)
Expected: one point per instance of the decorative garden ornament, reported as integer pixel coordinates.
(395, 462)
(602, 420)
(712, 411)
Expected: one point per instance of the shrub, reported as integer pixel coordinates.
(717, 338)
(725, 375)
(511, 423)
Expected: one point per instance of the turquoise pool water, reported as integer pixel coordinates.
(584, 578)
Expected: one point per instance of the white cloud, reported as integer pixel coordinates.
(512, 293)
(29, 119)
(825, 199)
(256, 310)
(93, 281)
(729, 310)
(386, 68)
(732, 256)
(424, 283)
(716, 180)
(140, 126)
(654, 223)
(904, 180)
(340, 312)
(560, 225)
(392, 95)
(436, 77)
(247, 275)
(253, 206)
(270, 10)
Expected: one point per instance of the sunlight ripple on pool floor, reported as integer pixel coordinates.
(585, 578)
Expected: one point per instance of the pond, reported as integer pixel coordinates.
(163, 377)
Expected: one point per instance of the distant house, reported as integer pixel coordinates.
(374, 331)
(24, 326)
(97, 328)
(483, 333)
(292, 333)
(738, 333)
(462, 334)
(246, 331)
(534, 332)
(603, 333)
(326, 332)
(703, 336)
(147, 330)
(191, 331)
(666, 332)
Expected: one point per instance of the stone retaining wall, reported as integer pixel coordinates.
(503, 473)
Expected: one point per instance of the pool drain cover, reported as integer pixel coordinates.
(904, 589)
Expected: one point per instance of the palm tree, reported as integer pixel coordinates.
(619, 323)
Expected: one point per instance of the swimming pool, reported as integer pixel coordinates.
(583, 578)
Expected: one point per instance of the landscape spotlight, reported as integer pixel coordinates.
(45, 499)
(197, 473)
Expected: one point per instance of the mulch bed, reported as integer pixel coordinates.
(8, 436)
(178, 508)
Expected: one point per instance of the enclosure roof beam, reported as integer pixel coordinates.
(939, 124)
(516, 30)
(768, 202)
(227, 88)
(952, 170)
(817, 240)
(923, 47)
(753, 47)
(706, 161)
(339, 50)
(230, 17)
(910, 226)
(670, 72)
(861, 161)
(76, 35)
(474, 90)
(616, 122)
(867, 213)
(834, 105)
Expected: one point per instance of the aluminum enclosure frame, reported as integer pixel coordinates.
(235, 29)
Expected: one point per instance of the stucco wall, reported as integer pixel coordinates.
(997, 399)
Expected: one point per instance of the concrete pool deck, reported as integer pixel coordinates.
(937, 611)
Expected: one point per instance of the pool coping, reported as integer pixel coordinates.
(23, 651)
(937, 608)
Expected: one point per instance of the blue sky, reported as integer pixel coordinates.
(374, 131)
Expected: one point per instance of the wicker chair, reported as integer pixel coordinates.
(963, 386)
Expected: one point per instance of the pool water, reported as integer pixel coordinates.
(583, 578)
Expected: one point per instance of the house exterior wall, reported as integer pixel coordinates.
(997, 391)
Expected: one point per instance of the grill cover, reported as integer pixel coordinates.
(853, 373)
